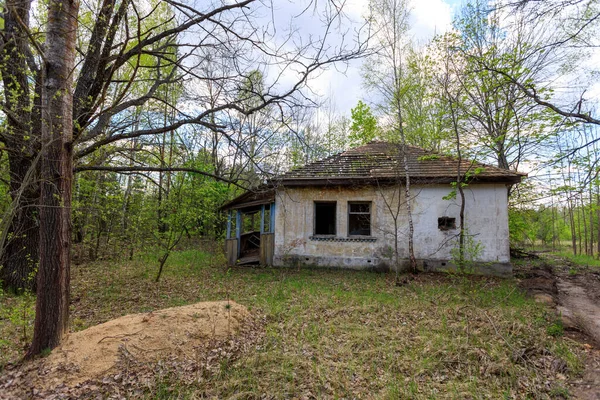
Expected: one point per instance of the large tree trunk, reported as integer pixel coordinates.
(52, 306)
(20, 256)
(461, 192)
(19, 244)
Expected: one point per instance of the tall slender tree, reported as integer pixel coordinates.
(385, 74)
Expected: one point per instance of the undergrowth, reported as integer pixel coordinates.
(581, 260)
(340, 334)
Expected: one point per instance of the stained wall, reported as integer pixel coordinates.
(486, 214)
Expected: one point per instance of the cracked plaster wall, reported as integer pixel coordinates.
(486, 214)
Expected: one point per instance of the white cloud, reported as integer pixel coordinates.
(429, 17)
(343, 84)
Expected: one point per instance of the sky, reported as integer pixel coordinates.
(344, 84)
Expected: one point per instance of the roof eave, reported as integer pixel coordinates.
(262, 195)
(350, 181)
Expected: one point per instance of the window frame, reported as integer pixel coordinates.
(370, 214)
(446, 223)
(315, 202)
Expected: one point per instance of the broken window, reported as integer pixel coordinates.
(446, 223)
(359, 218)
(325, 218)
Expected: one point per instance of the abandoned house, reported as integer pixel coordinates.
(342, 212)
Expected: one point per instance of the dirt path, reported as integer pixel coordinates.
(575, 303)
(588, 387)
(577, 300)
(579, 308)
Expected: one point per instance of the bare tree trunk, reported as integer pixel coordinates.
(575, 213)
(411, 228)
(394, 206)
(598, 219)
(129, 184)
(591, 215)
(585, 230)
(52, 305)
(554, 212)
(396, 250)
(461, 235)
(160, 212)
(451, 101)
(572, 221)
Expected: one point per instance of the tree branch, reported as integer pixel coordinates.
(156, 169)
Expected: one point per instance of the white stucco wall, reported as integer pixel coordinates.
(486, 220)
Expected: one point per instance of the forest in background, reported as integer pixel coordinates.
(179, 108)
(500, 125)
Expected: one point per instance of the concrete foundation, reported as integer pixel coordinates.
(502, 270)
(354, 263)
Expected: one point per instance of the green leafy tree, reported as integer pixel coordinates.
(503, 124)
(363, 128)
(564, 36)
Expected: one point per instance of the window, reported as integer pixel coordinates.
(325, 218)
(359, 218)
(446, 223)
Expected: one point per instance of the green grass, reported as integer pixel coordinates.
(342, 334)
(16, 325)
(580, 260)
(565, 250)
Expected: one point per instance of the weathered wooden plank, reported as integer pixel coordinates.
(267, 246)
(231, 250)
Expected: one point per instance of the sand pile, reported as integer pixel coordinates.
(147, 337)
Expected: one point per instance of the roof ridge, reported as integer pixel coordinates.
(377, 159)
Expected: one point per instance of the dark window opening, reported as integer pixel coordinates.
(359, 219)
(446, 223)
(324, 218)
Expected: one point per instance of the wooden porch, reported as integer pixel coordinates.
(250, 231)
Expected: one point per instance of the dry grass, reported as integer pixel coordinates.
(343, 334)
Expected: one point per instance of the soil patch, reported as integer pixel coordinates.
(576, 296)
(177, 332)
(577, 305)
(539, 281)
(587, 387)
(590, 281)
(147, 337)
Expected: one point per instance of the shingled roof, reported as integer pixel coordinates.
(381, 161)
(376, 162)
